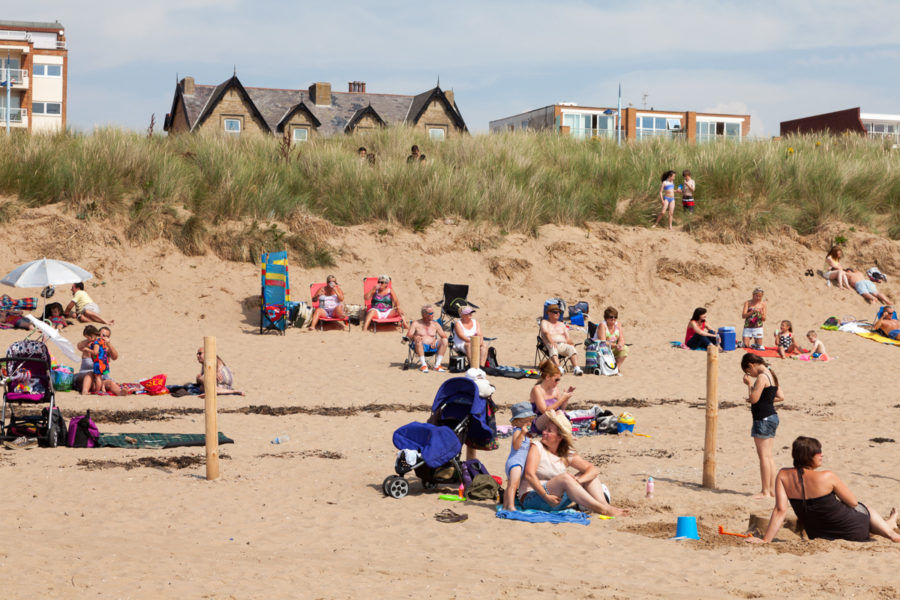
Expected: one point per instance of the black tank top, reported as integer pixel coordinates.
(765, 406)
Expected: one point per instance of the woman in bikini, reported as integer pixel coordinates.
(667, 197)
(610, 332)
(823, 503)
(833, 270)
(545, 394)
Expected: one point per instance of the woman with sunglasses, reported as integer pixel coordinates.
(384, 302)
(224, 376)
(546, 395)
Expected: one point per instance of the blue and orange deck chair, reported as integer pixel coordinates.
(275, 305)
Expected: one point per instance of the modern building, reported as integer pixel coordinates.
(299, 115)
(874, 125)
(584, 122)
(34, 61)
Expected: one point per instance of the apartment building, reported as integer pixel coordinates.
(584, 122)
(232, 109)
(874, 125)
(34, 62)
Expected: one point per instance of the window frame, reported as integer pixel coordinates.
(434, 128)
(45, 70)
(238, 120)
(294, 131)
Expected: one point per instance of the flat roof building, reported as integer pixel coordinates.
(853, 120)
(584, 122)
(34, 62)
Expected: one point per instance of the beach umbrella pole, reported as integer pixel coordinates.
(210, 370)
(712, 416)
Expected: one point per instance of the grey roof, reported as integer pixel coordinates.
(32, 24)
(274, 104)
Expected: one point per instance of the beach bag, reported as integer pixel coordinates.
(591, 359)
(470, 469)
(491, 361)
(156, 385)
(831, 323)
(876, 275)
(607, 360)
(578, 312)
(458, 364)
(484, 487)
(354, 313)
(83, 432)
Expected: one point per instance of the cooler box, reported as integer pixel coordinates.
(727, 338)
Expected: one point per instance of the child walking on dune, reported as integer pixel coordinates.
(764, 391)
(522, 416)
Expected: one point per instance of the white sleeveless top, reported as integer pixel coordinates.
(549, 467)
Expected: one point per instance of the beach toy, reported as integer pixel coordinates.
(686, 529)
(641, 434)
(740, 535)
(625, 423)
(62, 380)
(451, 498)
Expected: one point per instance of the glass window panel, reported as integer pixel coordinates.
(233, 125)
(603, 122)
(733, 129)
(660, 123)
(37, 108)
(54, 71)
(39, 69)
(300, 134)
(879, 128)
(647, 122)
(436, 134)
(569, 121)
(54, 108)
(673, 123)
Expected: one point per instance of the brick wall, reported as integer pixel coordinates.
(436, 116)
(835, 122)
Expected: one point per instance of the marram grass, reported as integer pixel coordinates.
(514, 181)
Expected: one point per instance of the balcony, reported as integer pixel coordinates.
(18, 77)
(18, 36)
(18, 117)
(590, 133)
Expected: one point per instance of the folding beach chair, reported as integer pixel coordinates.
(313, 288)
(368, 284)
(276, 293)
(455, 297)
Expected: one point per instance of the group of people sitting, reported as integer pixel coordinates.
(849, 278)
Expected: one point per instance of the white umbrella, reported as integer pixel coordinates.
(44, 272)
(57, 338)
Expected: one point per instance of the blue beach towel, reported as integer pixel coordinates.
(538, 516)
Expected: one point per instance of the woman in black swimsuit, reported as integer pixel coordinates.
(824, 505)
(763, 392)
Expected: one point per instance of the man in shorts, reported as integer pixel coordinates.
(887, 324)
(428, 336)
(864, 287)
(555, 334)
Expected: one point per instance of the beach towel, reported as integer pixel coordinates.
(538, 516)
(876, 337)
(767, 352)
(8, 303)
(156, 440)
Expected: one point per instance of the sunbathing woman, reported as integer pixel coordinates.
(546, 484)
(833, 270)
(384, 302)
(699, 335)
(331, 302)
(545, 394)
(823, 503)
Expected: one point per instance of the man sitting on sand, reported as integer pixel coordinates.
(555, 334)
(85, 309)
(427, 334)
(887, 324)
(864, 287)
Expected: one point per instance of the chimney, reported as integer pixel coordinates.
(320, 93)
(356, 87)
(187, 86)
(449, 95)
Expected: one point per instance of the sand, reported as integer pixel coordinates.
(307, 519)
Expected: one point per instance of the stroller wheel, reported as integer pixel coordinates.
(395, 487)
(596, 372)
(53, 433)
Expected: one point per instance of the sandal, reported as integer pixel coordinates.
(448, 516)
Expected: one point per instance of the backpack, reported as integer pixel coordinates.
(831, 323)
(470, 469)
(491, 360)
(83, 432)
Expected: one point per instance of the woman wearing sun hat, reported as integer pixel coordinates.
(463, 330)
(547, 485)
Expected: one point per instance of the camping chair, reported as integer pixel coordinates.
(454, 299)
(368, 284)
(313, 289)
(275, 303)
(412, 359)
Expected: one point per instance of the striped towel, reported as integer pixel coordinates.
(8, 303)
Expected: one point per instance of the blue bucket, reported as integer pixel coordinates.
(62, 381)
(686, 529)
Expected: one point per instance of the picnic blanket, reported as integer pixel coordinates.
(8, 303)
(156, 440)
(514, 372)
(538, 516)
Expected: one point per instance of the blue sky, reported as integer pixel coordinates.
(773, 60)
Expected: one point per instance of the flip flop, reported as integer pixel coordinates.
(448, 516)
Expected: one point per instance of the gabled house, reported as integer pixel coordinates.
(232, 109)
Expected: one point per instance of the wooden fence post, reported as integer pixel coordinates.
(712, 416)
(210, 372)
(475, 342)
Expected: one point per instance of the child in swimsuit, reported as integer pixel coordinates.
(784, 340)
(667, 197)
(818, 348)
(100, 353)
(521, 420)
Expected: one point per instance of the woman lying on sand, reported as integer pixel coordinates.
(546, 484)
(823, 503)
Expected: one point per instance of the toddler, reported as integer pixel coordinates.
(817, 352)
(99, 350)
(522, 416)
(784, 340)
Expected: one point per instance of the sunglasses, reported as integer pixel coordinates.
(552, 312)
(382, 281)
(199, 354)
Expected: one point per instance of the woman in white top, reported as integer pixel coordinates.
(331, 302)
(463, 330)
(547, 485)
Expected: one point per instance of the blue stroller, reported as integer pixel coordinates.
(458, 415)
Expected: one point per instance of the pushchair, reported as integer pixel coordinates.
(27, 379)
(458, 415)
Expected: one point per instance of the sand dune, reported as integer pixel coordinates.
(307, 519)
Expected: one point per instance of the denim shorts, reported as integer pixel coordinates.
(765, 427)
(533, 501)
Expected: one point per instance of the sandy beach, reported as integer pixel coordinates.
(307, 519)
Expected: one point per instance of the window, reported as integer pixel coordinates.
(47, 70)
(39, 69)
(46, 108)
(653, 126)
(587, 125)
(300, 134)
(233, 126)
(437, 133)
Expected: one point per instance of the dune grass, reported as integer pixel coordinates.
(202, 191)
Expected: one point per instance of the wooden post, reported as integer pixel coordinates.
(210, 372)
(712, 416)
(475, 341)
